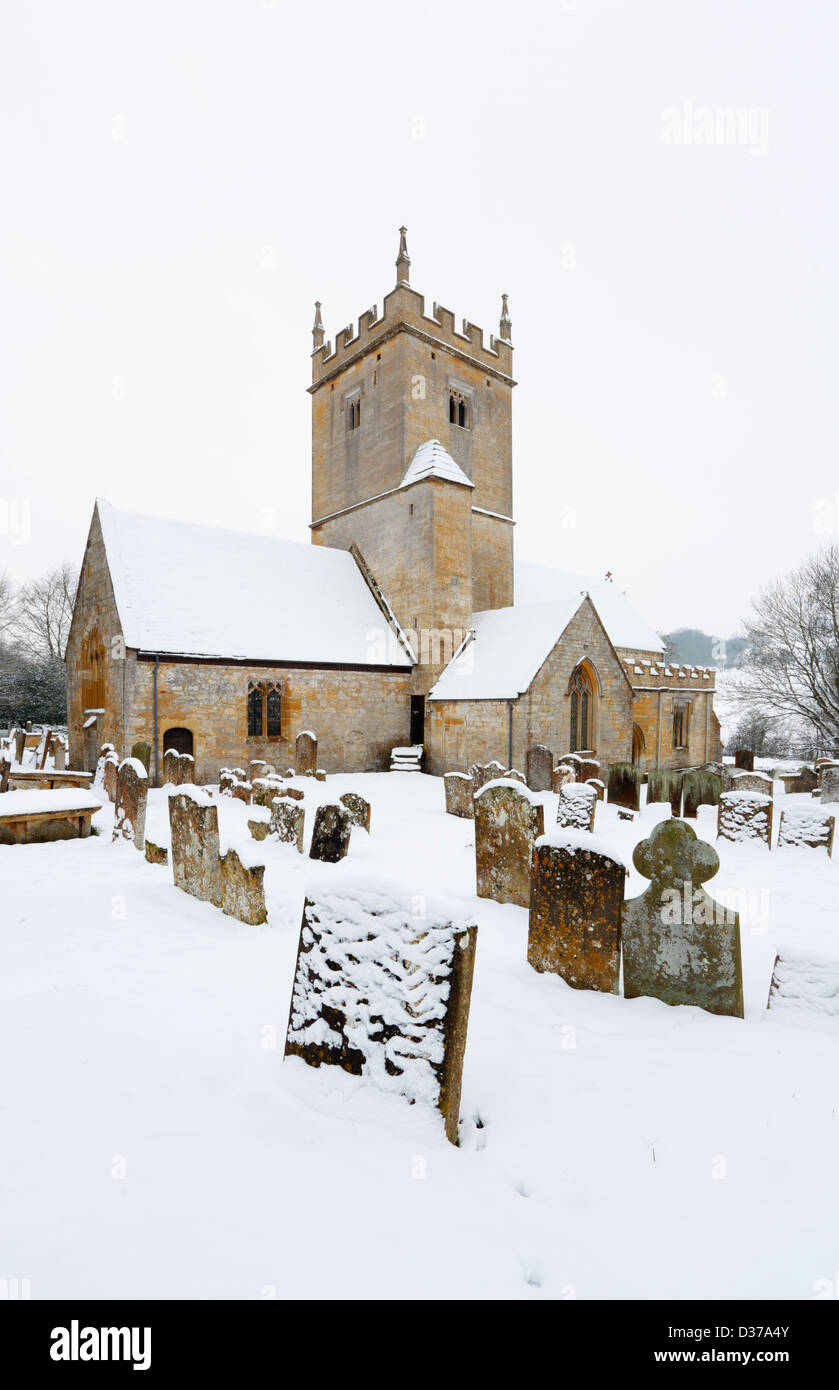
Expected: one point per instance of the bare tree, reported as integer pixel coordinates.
(792, 657)
(7, 603)
(43, 611)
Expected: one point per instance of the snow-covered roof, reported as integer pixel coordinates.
(195, 590)
(433, 461)
(509, 646)
(626, 628)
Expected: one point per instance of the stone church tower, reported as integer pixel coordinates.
(412, 464)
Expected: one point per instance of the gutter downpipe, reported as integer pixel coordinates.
(658, 745)
(156, 741)
(509, 733)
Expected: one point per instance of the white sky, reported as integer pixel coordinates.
(179, 181)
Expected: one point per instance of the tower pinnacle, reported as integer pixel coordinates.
(505, 327)
(317, 328)
(403, 260)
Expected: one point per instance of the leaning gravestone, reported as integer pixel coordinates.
(142, 751)
(577, 806)
(131, 796)
(358, 808)
(193, 821)
(331, 833)
(575, 911)
(805, 985)
(679, 945)
(745, 816)
(561, 776)
(625, 785)
(306, 753)
(241, 791)
(665, 785)
(170, 767)
(459, 789)
(384, 994)
(287, 821)
(508, 821)
(808, 826)
(540, 762)
(830, 785)
(242, 889)
(701, 788)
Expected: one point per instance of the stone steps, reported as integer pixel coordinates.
(407, 759)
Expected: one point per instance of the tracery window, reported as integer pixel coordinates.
(580, 710)
(265, 708)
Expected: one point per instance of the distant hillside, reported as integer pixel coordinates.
(695, 648)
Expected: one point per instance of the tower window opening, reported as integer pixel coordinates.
(353, 413)
(459, 410)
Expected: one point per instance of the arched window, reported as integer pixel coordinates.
(93, 670)
(265, 708)
(581, 699)
(459, 410)
(638, 743)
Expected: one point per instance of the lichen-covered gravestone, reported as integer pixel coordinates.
(460, 790)
(807, 826)
(562, 775)
(512, 774)
(830, 785)
(193, 822)
(701, 788)
(287, 821)
(577, 806)
(306, 753)
(599, 787)
(358, 808)
(264, 789)
(540, 763)
(5, 769)
(745, 816)
(131, 795)
(156, 854)
(802, 984)
(508, 821)
(142, 751)
(575, 910)
(185, 775)
(679, 945)
(170, 767)
(384, 993)
(665, 785)
(242, 889)
(257, 768)
(625, 785)
(481, 773)
(331, 833)
(751, 782)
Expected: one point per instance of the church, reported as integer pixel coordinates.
(406, 620)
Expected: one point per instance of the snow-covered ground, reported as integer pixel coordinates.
(153, 1142)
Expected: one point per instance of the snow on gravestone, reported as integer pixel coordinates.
(679, 945)
(508, 821)
(575, 910)
(577, 806)
(185, 774)
(193, 822)
(808, 826)
(751, 782)
(745, 816)
(460, 790)
(170, 767)
(131, 796)
(242, 889)
(383, 992)
(801, 986)
(830, 785)
(540, 763)
(483, 773)
(331, 833)
(563, 775)
(358, 808)
(305, 753)
(287, 820)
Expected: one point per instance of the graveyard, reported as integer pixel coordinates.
(201, 1102)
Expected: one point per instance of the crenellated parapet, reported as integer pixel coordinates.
(649, 674)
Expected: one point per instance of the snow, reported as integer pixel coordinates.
(431, 460)
(289, 601)
(562, 838)
(31, 803)
(147, 1027)
(524, 792)
(509, 647)
(138, 767)
(627, 629)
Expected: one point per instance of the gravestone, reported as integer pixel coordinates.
(20, 744)
(264, 789)
(142, 751)
(241, 791)
(625, 785)
(830, 785)
(745, 758)
(320, 774)
(483, 773)
(242, 890)
(5, 769)
(193, 821)
(575, 911)
(131, 795)
(460, 790)
(156, 854)
(259, 829)
(572, 760)
(577, 806)
(331, 833)
(562, 776)
(751, 782)
(599, 787)
(306, 753)
(805, 781)
(170, 767)
(679, 945)
(540, 762)
(665, 785)
(59, 754)
(745, 816)
(257, 768)
(384, 993)
(109, 774)
(508, 821)
(700, 788)
(807, 826)
(512, 774)
(295, 793)
(804, 985)
(358, 808)
(589, 767)
(287, 821)
(185, 775)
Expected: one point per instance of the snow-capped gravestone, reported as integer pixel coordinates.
(383, 992)
(358, 808)
(287, 821)
(131, 796)
(186, 770)
(193, 822)
(679, 945)
(589, 767)
(751, 782)
(264, 789)
(257, 768)
(59, 754)
(562, 776)
(577, 806)
(625, 786)
(830, 785)
(700, 787)
(540, 763)
(481, 773)
(745, 816)
(242, 889)
(802, 985)
(170, 767)
(576, 898)
(599, 787)
(306, 753)
(512, 774)
(460, 790)
(807, 826)
(331, 833)
(508, 821)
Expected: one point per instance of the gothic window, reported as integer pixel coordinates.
(93, 670)
(459, 410)
(273, 710)
(265, 703)
(254, 713)
(580, 711)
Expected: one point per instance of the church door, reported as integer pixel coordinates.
(417, 719)
(178, 739)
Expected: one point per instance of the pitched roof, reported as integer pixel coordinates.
(509, 647)
(195, 590)
(433, 461)
(626, 628)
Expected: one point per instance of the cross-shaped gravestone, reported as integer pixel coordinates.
(679, 945)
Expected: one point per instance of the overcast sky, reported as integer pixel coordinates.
(179, 181)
